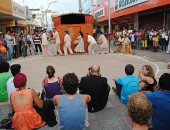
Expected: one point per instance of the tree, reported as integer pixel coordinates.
(95, 23)
(33, 16)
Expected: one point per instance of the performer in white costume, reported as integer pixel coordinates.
(67, 44)
(92, 43)
(44, 43)
(57, 43)
(80, 47)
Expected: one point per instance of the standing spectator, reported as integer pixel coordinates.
(25, 117)
(74, 118)
(51, 45)
(10, 46)
(132, 35)
(97, 87)
(17, 40)
(14, 45)
(20, 42)
(37, 42)
(57, 43)
(92, 44)
(4, 76)
(150, 41)
(163, 39)
(140, 111)
(126, 44)
(15, 69)
(160, 103)
(144, 40)
(168, 48)
(147, 78)
(104, 44)
(3, 50)
(44, 43)
(67, 43)
(80, 47)
(138, 39)
(4, 40)
(30, 43)
(24, 44)
(155, 39)
(126, 85)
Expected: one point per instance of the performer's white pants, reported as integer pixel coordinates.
(69, 49)
(57, 49)
(91, 48)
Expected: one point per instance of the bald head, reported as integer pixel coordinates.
(95, 68)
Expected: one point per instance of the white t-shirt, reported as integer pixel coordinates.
(132, 37)
(10, 87)
(91, 39)
(57, 37)
(8, 38)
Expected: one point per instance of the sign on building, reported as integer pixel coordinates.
(18, 11)
(122, 4)
(99, 13)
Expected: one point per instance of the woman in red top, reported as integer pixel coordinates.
(138, 40)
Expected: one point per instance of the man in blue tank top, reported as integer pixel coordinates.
(160, 100)
(71, 106)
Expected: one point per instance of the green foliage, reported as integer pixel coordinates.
(33, 16)
(95, 23)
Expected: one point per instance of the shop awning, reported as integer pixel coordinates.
(7, 22)
(21, 23)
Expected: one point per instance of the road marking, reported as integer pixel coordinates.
(21, 61)
(138, 57)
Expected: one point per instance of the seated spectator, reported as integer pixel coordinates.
(51, 84)
(160, 101)
(4, 76)
(25, 117)
(126, 85)
(15, 69)
(97, 87)
(71, 106)
(147, 78)
(140, 111)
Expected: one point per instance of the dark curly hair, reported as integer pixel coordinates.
(70, 83)
(139, 108)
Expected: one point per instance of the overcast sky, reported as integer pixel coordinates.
(62, 6)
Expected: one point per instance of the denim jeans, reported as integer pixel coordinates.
(138, 44)
(24, 50)
(10, 52)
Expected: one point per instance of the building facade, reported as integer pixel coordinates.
(12, 16)
(133, 13)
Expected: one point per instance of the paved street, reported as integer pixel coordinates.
(161, 55)
(114, 116)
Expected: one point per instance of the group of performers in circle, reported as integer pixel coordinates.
(53, 41)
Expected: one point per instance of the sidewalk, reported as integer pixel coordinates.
(160, 55)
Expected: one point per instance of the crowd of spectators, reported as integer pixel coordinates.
(147, 101)
(153, 39)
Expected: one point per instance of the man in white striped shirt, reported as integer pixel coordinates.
(37, 42)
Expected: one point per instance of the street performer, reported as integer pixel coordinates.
(57, 42)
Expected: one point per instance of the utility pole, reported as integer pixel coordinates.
(109, 22)
(80, 7)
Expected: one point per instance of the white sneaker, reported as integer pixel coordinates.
(87, 123)
(167, 52)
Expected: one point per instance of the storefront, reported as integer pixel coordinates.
(135, 13)
(5, 15)
(19, 14)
